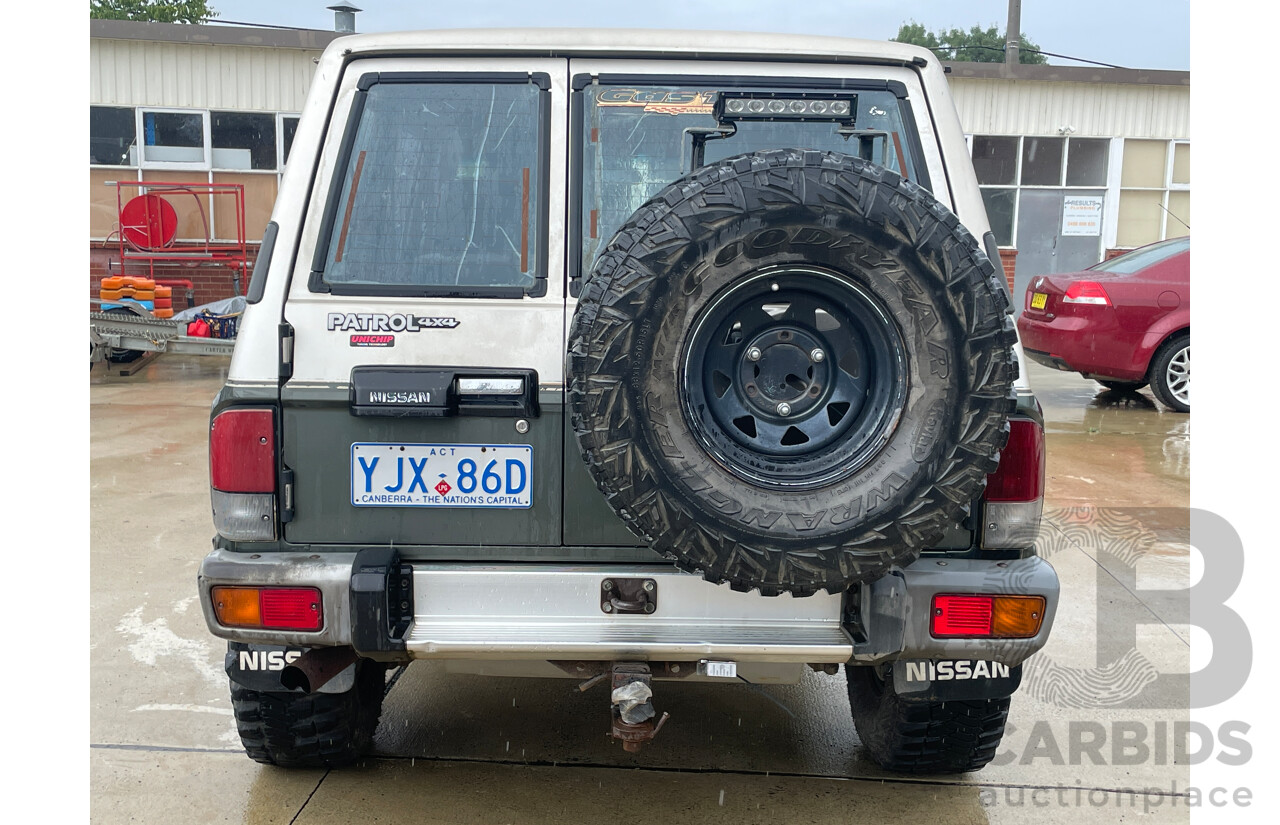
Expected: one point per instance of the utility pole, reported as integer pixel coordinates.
(1013, 33)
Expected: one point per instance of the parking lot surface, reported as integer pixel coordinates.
(459, 748)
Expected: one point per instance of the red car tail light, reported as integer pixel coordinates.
(1020, 475)
(242, 451)
(1086, 292)
(1014, 499)
(242, 473)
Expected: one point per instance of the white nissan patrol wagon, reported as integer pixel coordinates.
(628, 357)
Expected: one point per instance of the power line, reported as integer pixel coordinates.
(214, 21)
(1025, 49)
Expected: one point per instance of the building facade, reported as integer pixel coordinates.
(1075, 164)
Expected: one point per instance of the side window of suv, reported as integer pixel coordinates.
(441, 189)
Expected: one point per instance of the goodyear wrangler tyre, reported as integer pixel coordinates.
(791, 370)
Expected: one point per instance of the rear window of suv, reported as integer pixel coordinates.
(440, 189)
(638, 137)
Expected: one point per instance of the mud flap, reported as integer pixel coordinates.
(267, 668)
(946, 680)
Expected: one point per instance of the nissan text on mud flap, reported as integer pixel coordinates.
(678, 357)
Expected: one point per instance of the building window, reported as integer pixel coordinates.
(174, 138)
(288, 127)
(243, 140)
(1155, 192)
(112, 136)
(1008, 167)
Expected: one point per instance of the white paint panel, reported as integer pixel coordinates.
(1024, 107)
(201, 76)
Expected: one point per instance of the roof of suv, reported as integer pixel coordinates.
(637, 43)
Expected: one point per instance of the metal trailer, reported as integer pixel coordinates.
(140, 331)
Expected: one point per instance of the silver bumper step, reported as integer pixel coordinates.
(549, 612)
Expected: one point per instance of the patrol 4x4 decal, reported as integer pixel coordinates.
(382, 322)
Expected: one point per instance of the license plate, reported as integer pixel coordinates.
(441, 475)
(1038, 300)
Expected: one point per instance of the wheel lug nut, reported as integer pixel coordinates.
(817, 355)
(754, 354)
(784, 408)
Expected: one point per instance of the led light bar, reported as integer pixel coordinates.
(840, 108)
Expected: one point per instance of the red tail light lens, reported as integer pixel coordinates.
(242, 451)
(962, 615)
(1087, 292)
(292, 609)
(1020, 475)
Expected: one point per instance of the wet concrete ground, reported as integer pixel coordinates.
(458, 748)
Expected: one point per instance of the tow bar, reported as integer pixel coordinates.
(630, 704)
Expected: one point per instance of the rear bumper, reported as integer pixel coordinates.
(1092, 345)
(512, 612)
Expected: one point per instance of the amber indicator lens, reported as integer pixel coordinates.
(237, 606)
(1017, 617)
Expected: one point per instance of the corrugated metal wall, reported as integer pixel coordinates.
(198, 76)
(1023, 107)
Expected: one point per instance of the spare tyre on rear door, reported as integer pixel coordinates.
(791, 370)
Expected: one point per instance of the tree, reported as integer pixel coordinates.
(977, 45)
(155, 11)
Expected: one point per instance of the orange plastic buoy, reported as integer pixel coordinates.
(163, 313)
(163, 303)
(110, 294)
(144, 295)
(164, 291)
(113, 282)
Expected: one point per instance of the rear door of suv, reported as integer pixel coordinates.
(631, 131)
(426, 309)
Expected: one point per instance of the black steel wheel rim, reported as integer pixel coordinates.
(794, 377)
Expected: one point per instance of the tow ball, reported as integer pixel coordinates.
(631, 705)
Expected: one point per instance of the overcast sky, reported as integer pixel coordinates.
(1146, 34)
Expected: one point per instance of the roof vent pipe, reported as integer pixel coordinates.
(344, 18)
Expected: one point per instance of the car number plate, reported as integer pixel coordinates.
(441, 475)
(1038, 300)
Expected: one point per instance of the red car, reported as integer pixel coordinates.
(1125, 322)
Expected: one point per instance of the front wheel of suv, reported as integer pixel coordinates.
(311, 730)
(922, 737)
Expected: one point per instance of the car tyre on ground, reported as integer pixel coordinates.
(792, 370)
(1171, 373)
(922, 737)
(311, 730)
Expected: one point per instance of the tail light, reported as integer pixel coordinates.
(1087, 292)
(283, 608)
(1014, 499)
(970, 616)
(242, 473)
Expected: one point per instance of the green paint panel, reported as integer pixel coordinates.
(588, 518)
(318, 433)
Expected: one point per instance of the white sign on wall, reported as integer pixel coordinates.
(1082, 215)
